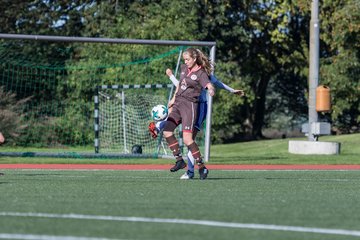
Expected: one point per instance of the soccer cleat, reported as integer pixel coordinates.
(187, 175)
(203, 173)
(152, 130)
(180, 164)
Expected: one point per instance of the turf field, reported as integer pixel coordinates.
(149, 204)
(273, 152)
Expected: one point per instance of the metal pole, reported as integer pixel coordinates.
(176, 71)
(123, 108)
(208, 115)
(313, 66)
(96, 120)
(104, 40)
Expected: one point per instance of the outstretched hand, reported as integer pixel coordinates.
(2, 138)
(239, 92)
(169, 72)
(211, 89)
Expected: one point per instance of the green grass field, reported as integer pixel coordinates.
(149, 205)
(254, 152)
(99, 204)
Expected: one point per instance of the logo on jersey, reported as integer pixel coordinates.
(193, 77)
(183, 84)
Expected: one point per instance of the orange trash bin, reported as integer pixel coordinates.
(323, 102)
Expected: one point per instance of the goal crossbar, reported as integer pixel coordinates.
(105, 40)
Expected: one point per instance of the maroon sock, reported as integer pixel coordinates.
(174, 147)
(195, 151)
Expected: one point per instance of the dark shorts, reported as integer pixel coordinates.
(184, 112)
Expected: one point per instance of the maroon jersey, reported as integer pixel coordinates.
(184, 110)
(191, 83)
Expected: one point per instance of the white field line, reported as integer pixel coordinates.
(190, 222)
(45, 237)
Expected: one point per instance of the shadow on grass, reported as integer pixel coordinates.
(39, 174)
(249, 158)
(225, 178)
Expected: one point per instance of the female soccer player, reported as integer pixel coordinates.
(202, 110)
(194, 76)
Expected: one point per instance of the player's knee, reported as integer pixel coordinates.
(188, 141)
(167, 134)
(170, 125)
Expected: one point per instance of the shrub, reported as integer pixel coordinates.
(11, 115)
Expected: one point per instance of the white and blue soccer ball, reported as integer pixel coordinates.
(159, 112)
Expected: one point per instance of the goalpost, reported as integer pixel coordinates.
(26, 79)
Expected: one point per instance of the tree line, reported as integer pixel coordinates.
(262, 48)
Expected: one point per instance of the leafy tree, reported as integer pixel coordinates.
(340, 67)
(43, 17)
(264, 40)
(262, 47)
(132, 20)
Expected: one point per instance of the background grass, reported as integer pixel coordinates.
(254, 152)
(321, 199)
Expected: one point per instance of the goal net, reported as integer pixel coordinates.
(60, 79)
(122, 116)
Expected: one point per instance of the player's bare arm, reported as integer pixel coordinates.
(171, 102)
(172, 77)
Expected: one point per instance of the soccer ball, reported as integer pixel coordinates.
(159, 112)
